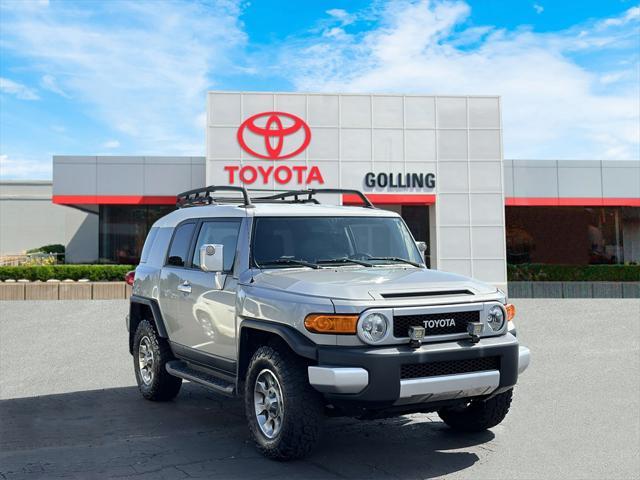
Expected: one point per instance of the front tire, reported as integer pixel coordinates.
(478, 415)
(284, 412)
(150, 355)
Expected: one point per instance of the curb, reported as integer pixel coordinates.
(65, 291)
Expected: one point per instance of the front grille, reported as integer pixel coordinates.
(401, 323)
(452, 367)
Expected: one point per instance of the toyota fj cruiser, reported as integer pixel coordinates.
(309, 310)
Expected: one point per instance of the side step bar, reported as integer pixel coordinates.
(181, 369)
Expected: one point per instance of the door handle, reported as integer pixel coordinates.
(185, 287)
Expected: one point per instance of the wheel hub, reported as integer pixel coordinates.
(268, 403)
(145, 360)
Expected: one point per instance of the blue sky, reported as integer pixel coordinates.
(119, 78)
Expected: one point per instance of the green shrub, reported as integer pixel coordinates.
(573, 273)
(55, 248)
(38, 255)
(95, 273)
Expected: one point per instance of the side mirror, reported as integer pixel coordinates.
(211, 257)
(422, 246)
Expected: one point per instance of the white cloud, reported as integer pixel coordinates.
(538, 8)
(344, 17)
(630, 15)
(142, 68)
(555, 103)
(612, 77)
(335, 32)
(49, 82)
(11, 168)
(111, 144)
(20, 91)
(25, 5)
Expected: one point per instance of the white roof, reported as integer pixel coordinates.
(270, 210)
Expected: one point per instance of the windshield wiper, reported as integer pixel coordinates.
(347, 260)
(396, 259)
(291, 261)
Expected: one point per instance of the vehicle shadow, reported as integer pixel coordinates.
(114, 432)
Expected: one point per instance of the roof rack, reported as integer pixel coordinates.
(310, 193)
(202, 196)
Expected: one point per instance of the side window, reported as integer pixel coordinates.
(180, 245)
(220, 232)
(148, 244)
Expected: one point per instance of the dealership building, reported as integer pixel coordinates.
(436, 160)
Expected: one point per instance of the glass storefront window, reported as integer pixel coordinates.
(417, 219)
(123, 229)
(564, 235)
(552, 235)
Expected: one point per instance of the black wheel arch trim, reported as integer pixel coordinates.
(300, 344)
(157, 316)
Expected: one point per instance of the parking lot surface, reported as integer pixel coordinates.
(70, 409)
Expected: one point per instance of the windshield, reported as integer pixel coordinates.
(280, 242)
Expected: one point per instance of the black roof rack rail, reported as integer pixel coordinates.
(291, 196)
(346, 191)
(309, 193)
(202, 196)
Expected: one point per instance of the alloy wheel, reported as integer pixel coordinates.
(268, 403)
(145, 360)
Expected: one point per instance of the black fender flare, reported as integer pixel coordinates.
(152, 303)
(296, 341)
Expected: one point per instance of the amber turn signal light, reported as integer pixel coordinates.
(335, 324)
(511, 311)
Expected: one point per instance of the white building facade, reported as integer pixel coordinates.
(437, 160)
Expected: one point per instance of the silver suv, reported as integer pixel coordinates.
(308, 310)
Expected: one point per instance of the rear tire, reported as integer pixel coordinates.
(150, 355)
(284, 412)
(478, 415)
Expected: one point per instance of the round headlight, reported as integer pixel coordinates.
(373, 327)
(495, 318)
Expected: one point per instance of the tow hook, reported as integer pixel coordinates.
(474, 329)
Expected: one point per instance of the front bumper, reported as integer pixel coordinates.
(372, 376)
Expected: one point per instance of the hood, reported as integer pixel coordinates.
(364, 283)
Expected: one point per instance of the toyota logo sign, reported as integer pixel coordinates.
(278, 135)
(274, 136)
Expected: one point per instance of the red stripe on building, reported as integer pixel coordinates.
(114, 199)
(390, 199)
(376, 198)
(571, 202)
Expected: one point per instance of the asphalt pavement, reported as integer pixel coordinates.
(69, 408)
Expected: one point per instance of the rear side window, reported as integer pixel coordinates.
(219, 232)
(148, 244)
(180, 244)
